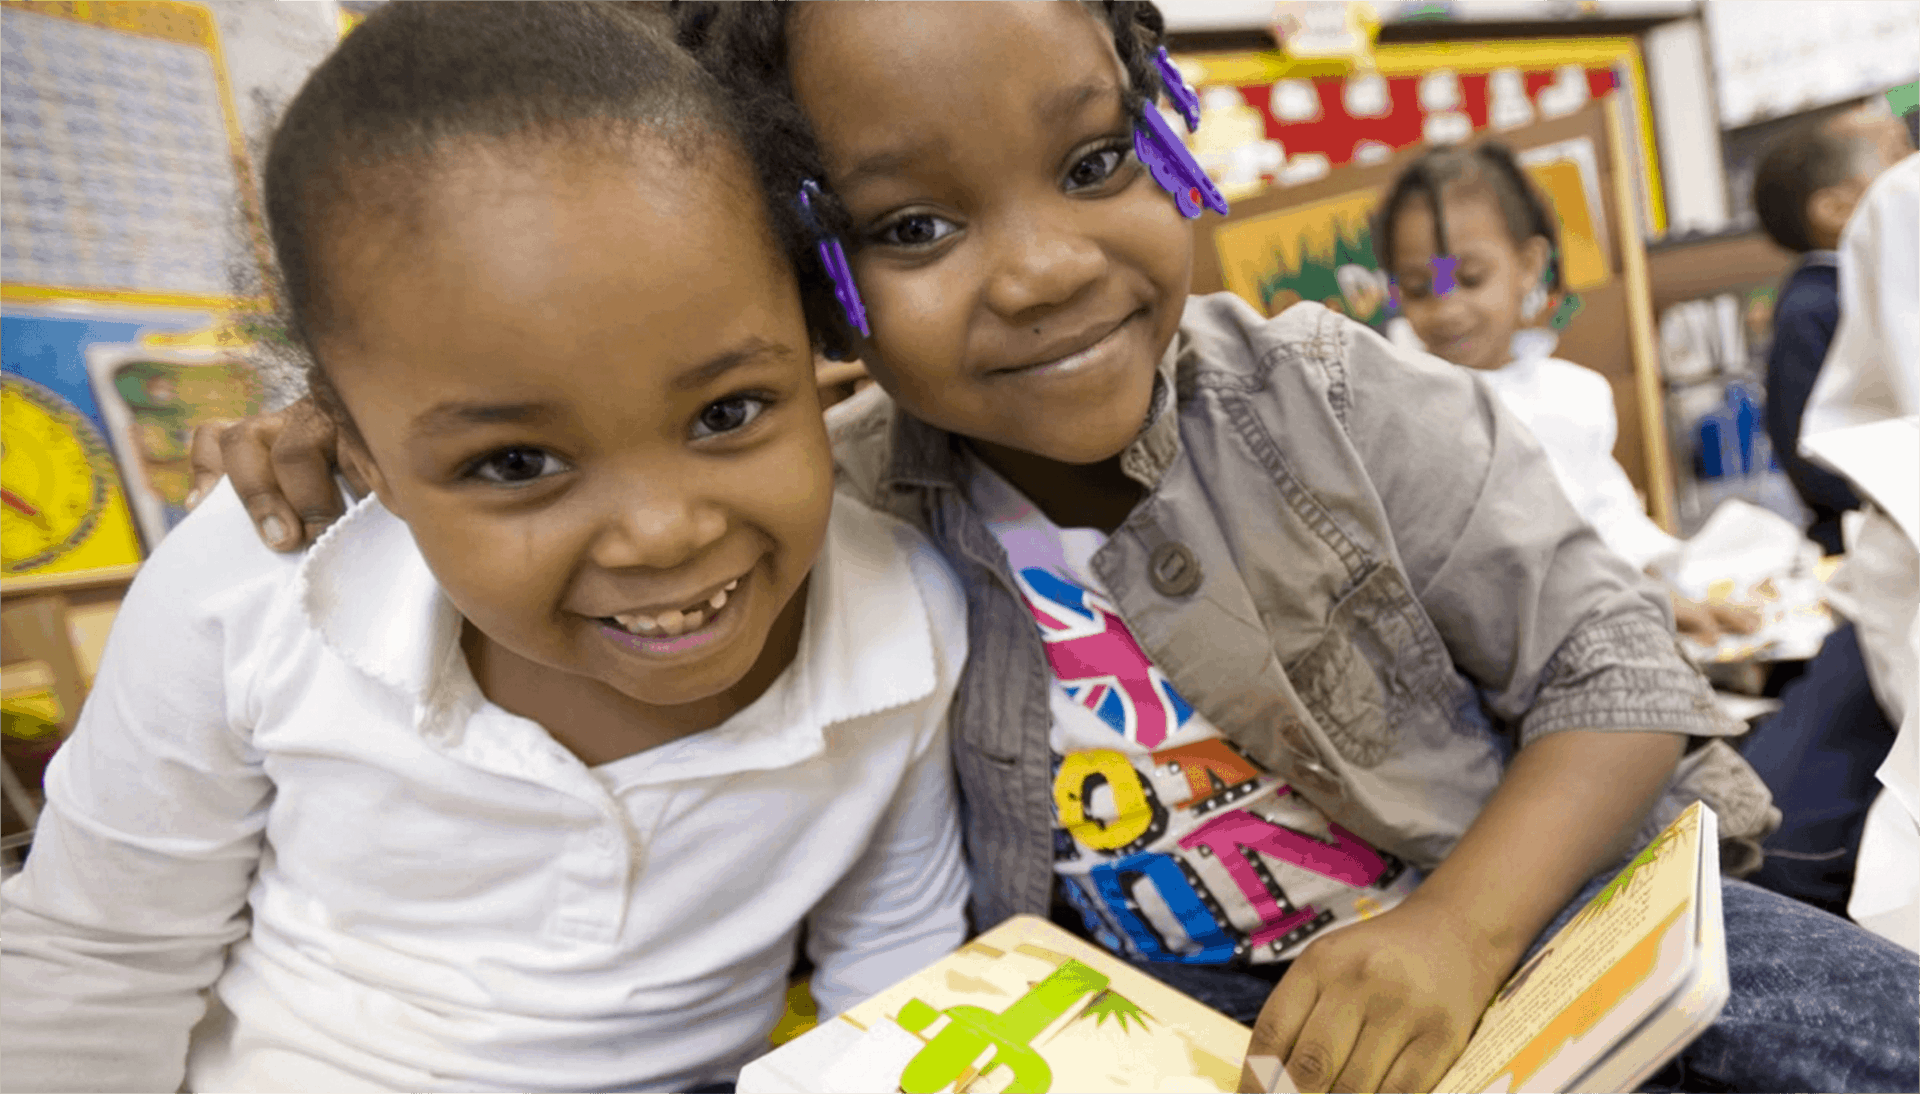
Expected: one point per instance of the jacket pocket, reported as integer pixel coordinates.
(1371, 672)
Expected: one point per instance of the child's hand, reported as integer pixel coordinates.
(1383, 1005)
(282, 468)
(1705, 621)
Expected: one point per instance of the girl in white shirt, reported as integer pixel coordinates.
(528, 775)
(1471, 249)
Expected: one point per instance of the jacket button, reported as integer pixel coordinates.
(1173, 570)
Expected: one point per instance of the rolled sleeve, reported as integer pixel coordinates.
(1624, 674)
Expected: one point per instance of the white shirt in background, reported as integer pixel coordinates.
(1569, 409)
(1863, 421)
(441, 896)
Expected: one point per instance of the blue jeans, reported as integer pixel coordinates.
(1817, 1004)
(1818, 755)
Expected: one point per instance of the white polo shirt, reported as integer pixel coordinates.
(287, 786)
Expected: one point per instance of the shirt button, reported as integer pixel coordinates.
(1173, 570)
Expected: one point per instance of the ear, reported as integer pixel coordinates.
(1534, 255)
(1828, 209)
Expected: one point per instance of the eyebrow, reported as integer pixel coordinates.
(1053, 108)
(751, 352)
(454, 415)
(1063, 104)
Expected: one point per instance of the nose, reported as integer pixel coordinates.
(1449, 314)
(1041, 264)
(657, 527)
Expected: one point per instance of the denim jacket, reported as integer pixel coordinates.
(1353, 561)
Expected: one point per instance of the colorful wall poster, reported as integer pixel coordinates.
(1267, 119)
(151, 399)
(63, 505)
(1321, 252)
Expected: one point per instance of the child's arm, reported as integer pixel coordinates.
(1801, 335)
(1388, 1004)
(903, 906)
(1569, 644)
(138, 877)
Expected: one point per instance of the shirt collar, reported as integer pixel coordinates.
(367, 590)
(867, 645)
(1820, 258)
(925, 457)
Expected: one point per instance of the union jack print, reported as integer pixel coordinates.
(1097, 660)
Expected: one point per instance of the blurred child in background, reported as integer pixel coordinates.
(1863, 421)
(1472, 248)
(1804, 189)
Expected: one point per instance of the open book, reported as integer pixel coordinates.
(1028, 1008)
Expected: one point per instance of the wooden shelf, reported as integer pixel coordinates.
(1694, 269)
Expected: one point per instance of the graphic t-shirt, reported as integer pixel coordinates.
(1172, 843)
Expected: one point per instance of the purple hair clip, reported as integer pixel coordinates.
(1443, 267)
(1173, 166)
(1183, 97)
(834, 258)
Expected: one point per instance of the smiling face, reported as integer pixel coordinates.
(1021, 272)
(1472, 324)
(584, 382)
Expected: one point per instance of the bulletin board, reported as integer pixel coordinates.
(124, 155)
(1313, 241)
(1267, 119)
(126, 195)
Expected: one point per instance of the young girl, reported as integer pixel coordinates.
(1260, 609)
(528, 774)
(1472, 249)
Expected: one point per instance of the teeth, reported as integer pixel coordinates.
(676, 622)
(636, 623)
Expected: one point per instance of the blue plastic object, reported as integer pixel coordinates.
(834, 258)
(1184, 98)
(1173, 166)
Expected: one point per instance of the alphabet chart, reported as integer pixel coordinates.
(123, 156)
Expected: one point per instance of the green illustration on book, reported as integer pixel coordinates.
(972, 1030)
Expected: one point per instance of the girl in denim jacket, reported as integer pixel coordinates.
(1293, 675)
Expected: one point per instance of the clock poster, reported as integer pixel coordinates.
(63, 503)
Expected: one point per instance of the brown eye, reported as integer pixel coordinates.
(1094, 169)
(728, 415)
(515, 466)
(915, 230)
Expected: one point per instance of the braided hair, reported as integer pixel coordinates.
(1490, 165)
(745, 46)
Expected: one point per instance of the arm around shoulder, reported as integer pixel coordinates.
(138, 877)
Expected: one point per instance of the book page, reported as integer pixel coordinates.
(1614, 962)
(1029, 1007)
